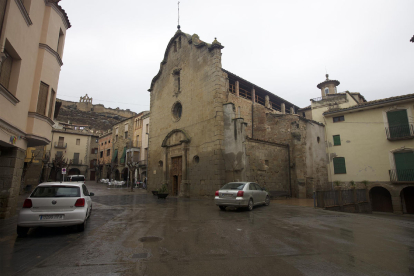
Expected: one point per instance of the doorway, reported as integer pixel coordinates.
(407, 196)
(176, 173)
(380, 200)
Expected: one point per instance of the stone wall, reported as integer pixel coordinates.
(201, 94)
(98, 108)
(11, 168)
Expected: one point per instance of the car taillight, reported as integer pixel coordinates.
(240, 193)
(80, 202)
(27, 203)
(217, 193)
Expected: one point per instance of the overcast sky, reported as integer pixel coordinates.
(114, 48)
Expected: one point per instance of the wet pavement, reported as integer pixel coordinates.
(134, 233)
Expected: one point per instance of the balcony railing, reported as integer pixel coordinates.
(401, 175)
(61, 145)
(142, 163)
(75, 162)
(400, 132)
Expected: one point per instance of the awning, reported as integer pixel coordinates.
(114, 155)
(123, 156)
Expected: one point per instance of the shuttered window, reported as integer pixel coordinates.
(5, 72)
(42, 99)
(51, 101)
(338, 119)
(339, 165)
(398, 123)
(404, 163)
(337, 140)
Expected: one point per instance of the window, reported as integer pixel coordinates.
(160, 163)
(177, 111)
(109, 141)
(116, 137)
(59, 49)
(101, 154)
(339, 165)
(108, 152)
(252, 187)
(61, 142)
(338, 119)
(59, 153)
(196, 159)
(326, 91)
(5, 73)
(51, 101)
(147, 128)
(96, 140)
(76, 158)
(404, 164)
(42, 98)
(398, 126)
(94, 151)
(105, 142)
(267, 163)
(77, 141)
(101, 144)
(179, 42)
(337, 140)
(126, 134)
(318, 139)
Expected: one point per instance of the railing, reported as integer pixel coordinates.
(401, 175)
(400, 132)
(328, 97)
(247, 95)
(347, 196)
(61, 145)
(331, 198)
(142, 163)
(75, 162)
(361, 195)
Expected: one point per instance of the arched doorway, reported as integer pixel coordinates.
(117, 176)
(407, 198)
(380, 200)
(74, 171)
(124, 175)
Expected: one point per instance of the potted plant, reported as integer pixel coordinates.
(365, 182)
(352, 184)
(163, 191)
(338, 185)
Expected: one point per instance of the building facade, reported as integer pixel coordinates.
(209, 126)
(122, 137)
(105, 153)
(32, 38)
(372, 144)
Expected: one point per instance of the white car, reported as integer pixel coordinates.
(56, 204)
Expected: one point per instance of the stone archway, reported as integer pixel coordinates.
(74, 171)
(380, 199)
(174, 162)
(407, 198)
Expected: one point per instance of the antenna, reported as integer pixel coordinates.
(178, 26)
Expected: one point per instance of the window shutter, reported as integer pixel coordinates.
(42, 99)
(52, 98)
(337, 140)
(339, 165)
(398, 123)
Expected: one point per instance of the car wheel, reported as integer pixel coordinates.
(250, 206)
(22, 231)
(223, 208)
(81, 227)
(267, 201)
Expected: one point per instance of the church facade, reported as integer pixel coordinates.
(210, 126)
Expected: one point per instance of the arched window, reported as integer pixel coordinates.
(326, 91)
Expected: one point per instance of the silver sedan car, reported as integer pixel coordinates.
(55, 204)
(241, 194)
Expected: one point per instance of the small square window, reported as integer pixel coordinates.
(338, 119)
(77, 141)
(337, 140)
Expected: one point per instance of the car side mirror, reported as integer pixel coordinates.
(91, 194)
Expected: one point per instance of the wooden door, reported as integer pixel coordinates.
(176, 173)
(92, 175)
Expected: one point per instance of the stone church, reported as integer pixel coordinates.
(209, 126)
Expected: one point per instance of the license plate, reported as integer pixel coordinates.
(49, 217)
(226, 195)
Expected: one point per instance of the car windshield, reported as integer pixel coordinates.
(77, 178)
(233, 186)
(56, 191)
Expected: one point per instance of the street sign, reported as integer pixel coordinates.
(63, 170)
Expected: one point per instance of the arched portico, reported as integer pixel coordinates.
(381, 200)
(174, 162)
(407, 199)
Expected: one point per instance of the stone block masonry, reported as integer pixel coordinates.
(11, 168)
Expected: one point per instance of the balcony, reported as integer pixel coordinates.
(61, 145)
(400, 132)
(75, 162)
(401, 175)
(142, 163)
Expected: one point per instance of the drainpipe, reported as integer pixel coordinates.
(2, 22)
